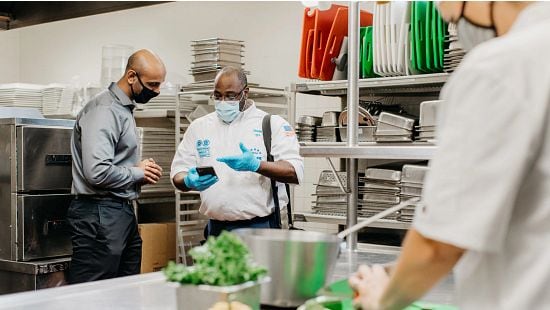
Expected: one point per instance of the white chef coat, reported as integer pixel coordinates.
(237, 195)
(488, 190)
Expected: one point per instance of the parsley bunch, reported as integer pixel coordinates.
(221, 261)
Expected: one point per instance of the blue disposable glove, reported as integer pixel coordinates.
(199, 182)
(247, 161)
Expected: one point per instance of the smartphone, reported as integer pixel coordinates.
(205, 170)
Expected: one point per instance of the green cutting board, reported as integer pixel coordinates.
(341, 289)
(366, 53)
(419, 22)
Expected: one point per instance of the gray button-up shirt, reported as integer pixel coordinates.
(104, 147)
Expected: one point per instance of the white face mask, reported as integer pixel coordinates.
(471, 34)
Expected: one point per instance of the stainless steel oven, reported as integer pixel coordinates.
(35, 183)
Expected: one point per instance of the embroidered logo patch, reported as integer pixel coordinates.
(203, 148)
(288, 131)
(257, 132)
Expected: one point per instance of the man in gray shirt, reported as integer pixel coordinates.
(108, 174)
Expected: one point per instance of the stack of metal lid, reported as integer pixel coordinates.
(426, 129)
(330, 199)
(412, 182)
(393, 128)
(380, 191)
(158, 144)
(211, 55)
(454, 54)
(326, 134)
(305, 127)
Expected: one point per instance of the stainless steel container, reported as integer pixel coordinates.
(364, 133)
(299, 262)
(203, 297)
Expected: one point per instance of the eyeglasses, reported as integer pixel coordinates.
(229, 96)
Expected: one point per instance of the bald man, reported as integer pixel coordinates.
(108, 174)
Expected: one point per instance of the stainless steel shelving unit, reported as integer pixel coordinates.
(370, 150)
(189, 222)
(350, 91)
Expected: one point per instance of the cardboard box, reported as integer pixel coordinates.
(171, 242)
(153, 254)
(159, 245)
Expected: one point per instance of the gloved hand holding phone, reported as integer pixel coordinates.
(199, 182)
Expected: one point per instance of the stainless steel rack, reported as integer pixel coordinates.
(350, 91)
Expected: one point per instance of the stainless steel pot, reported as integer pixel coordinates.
(299, 262)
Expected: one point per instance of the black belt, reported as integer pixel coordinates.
(254, 220)
(103, 198)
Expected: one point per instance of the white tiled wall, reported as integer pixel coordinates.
(315, 106)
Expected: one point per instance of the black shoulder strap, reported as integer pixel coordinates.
(266, 131)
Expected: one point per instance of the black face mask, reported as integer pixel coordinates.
(145, 95)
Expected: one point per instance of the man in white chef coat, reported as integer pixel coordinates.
(486, 203)
(231, 141)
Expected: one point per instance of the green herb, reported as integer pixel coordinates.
(221, 261)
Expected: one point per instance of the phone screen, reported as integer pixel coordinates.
(206, 170)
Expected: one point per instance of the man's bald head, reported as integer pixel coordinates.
(144, 60)
(229, 72)
(144, 69)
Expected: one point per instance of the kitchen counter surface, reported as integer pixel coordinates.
(150, 291)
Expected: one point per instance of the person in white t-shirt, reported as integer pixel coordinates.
(230, 140)
(486, 200)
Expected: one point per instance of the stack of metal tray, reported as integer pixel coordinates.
(329, 198)
(412, 182)
(426, 129)
(380, 191)
(454, 53)
(211, 55)
(159, 144)
(326, 134)
(394, 128)
(305, 128)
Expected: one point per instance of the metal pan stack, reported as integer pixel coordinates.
(394, 128)
(412, 182)
(426, 129)
(158, 143)
(306, 128)
(211, 55)
(380, 191)
(330, 199)
(454, 53)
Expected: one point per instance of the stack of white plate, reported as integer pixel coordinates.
(412, 182)
(67, 102)
(329, 198)
(166, 100)
(380, 191)
(159, 144)
(21, 95)
(393, 128)
(428, 113)
(454, 53)
(213, 54)
(51, 96)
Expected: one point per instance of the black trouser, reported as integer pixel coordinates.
(215, 227)
(105, 238)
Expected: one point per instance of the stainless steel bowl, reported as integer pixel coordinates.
(299, 262)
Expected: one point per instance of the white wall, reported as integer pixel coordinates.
(9, 56)
(55, 52)
(58, 51)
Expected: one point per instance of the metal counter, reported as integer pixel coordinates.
(150, 291)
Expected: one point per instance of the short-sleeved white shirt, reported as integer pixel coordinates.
(488, 190)
(237, 195)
